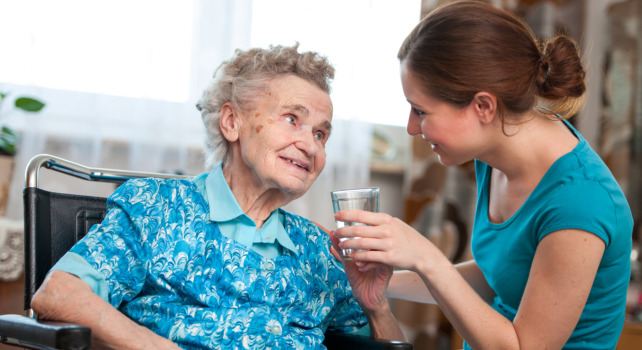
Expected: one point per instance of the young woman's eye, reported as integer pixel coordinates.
(417, 112)
(290, 119)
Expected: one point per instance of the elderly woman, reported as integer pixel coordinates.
(212, 262)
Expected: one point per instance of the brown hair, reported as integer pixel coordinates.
(462, 48)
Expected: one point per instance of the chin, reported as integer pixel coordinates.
(292, 186)
(447, 161)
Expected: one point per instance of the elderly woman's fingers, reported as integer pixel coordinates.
(364, 217)
(365, 243)
(333, 239)
(335, 246)
(367, 266)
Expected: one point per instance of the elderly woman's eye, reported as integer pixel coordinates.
(290, 119)
(319, 136)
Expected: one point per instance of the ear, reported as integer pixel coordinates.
(229, 122)
(484, 106)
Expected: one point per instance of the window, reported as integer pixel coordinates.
(360, 37)
(124, 48)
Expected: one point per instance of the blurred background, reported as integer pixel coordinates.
(113, 84)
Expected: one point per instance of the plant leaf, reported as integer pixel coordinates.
(29, 104)
(8, 131)
(9, 147)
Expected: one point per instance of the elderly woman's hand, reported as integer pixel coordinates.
(387, 240)
(368, 286)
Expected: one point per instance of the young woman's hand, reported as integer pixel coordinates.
(388, 240)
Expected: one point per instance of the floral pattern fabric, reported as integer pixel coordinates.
(169, 269)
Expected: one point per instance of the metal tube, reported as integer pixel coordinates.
(87, 173)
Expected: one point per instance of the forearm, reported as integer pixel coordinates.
(408, 285)
(64, 297)
(476, 321)
(384, 325)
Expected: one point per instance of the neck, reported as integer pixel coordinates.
(531, 150)
(256, 199)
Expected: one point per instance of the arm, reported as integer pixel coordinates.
(560, 280)
(408, 285)
(368, 288)
(65, 297)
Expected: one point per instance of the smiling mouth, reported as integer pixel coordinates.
(295, 163)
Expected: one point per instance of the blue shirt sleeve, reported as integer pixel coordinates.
(118, 248)
(75, 264)
(582, 205)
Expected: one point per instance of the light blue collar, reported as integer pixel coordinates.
(224, 208)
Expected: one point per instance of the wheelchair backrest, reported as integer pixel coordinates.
(54, 222)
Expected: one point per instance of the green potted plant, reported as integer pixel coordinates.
(8, 140)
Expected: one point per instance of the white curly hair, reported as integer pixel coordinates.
(241, 79)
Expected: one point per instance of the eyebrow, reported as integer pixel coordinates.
(301, 108)
(298, 108)
(328, 126)
(412, 103)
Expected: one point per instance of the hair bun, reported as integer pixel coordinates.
(560, 72)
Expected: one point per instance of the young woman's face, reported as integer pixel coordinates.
(453, 133)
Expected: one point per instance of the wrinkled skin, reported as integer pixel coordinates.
(289, 122)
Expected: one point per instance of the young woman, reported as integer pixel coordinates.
(552, 234)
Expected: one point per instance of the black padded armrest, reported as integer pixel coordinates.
(30, 333)
(347, 341)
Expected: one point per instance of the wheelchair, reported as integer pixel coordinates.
(54, 222)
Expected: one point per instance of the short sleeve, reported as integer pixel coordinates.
(582, 205)
(118, 247)
(75, 264)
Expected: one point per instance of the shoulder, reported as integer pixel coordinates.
(309, 230)
(309, 238)
(151, 192)
(583, 204)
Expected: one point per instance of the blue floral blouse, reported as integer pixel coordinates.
(169, 269)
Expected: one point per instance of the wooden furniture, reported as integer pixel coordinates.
(631, 338)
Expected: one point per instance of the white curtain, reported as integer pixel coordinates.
(152, 134)
(135, 133)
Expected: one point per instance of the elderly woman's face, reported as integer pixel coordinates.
(283, 139)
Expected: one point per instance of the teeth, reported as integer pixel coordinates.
(295, 163)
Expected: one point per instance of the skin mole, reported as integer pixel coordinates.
(257, 114)
(259, 128)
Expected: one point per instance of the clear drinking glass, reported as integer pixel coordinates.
(366, 199)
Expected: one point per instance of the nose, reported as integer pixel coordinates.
(307, 144)
(414, 125)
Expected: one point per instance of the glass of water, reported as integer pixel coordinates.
(366, 199)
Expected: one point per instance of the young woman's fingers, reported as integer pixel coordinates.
(371, 256)
(361, 231)
(364, 243)
(364, 217)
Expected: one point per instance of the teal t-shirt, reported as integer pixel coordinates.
(577, 192)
